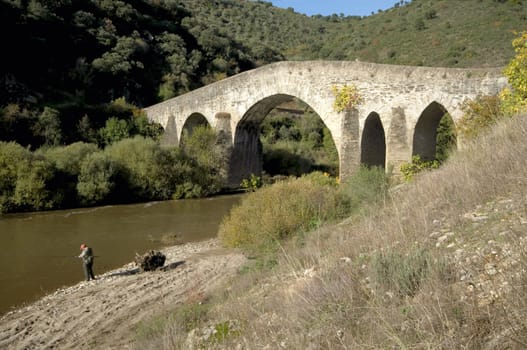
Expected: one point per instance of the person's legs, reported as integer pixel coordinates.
(90, 270)
(86, 269)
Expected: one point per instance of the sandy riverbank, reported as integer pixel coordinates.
(101, 314)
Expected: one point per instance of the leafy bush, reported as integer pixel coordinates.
(368, 185)
(278, 211)
(69, 158)
(515, 101)
(208, 159)
(251, 184)
(479, 115)
(32, 192)
(48, 127)
(23, 180)
(417, 165)
(97, 178)
(148, 168)
(346, 97)
(114, 130)
(12, 156)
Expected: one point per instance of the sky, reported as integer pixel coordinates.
(329, 7)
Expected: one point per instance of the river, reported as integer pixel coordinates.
(39, 250)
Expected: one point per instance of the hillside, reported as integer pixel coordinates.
(76, 57)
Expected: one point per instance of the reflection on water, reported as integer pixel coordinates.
(39, 250)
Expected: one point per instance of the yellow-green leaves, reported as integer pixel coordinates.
(346, 97)
(515, 101)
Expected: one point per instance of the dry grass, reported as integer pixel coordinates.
(442, 265)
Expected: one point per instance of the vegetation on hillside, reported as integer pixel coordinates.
(76, 57)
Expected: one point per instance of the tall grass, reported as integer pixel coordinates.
(439, 264)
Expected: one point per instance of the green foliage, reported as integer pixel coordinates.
(69, 158)
(114, 130)
(97, 178)
(515, 101)
(346, 97)
(150, 170)
(446, 139)
(367, 186)
(278, 211)
(157, 50)
(223, 330)
(48, 127)
(417, 165)
(32, 192)
(251, 184)
(296, 145)
(12, 158)
(25, 180)
(479, 115)
(209, 160)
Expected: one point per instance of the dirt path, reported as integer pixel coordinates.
(101, 314)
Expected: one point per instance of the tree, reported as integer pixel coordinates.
(114, 130)
(97, 178)
(48, 127)
(515, 101)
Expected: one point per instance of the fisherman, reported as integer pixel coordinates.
(87, 261)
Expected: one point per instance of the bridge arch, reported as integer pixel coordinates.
(396, 93)
(247, 154)
(373, 142)
(192, 122)
(426, 131)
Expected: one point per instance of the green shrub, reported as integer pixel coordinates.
(97, 178)
(68, 158)
(346, 97)
(48, 126)
(114, 130)
(368, 185)
(417, 165)
(208, 158)
(278, 211)
(251, 184)
(515, 99)
(479, 115)
(446, 139)
(12, 156)
(24, 180)
(32, 192)
(148, 168)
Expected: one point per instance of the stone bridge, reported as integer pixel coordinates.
(398, 118)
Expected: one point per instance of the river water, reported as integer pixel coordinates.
(39, 251)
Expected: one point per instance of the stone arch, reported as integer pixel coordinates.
(247, 152)
(193, 121)
(373, 142)
(425, 131)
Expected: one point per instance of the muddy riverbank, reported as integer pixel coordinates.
(102, 314)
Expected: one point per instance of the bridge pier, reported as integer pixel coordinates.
(349, 147)
(224, 142)
(398, 150)
(246, 156)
